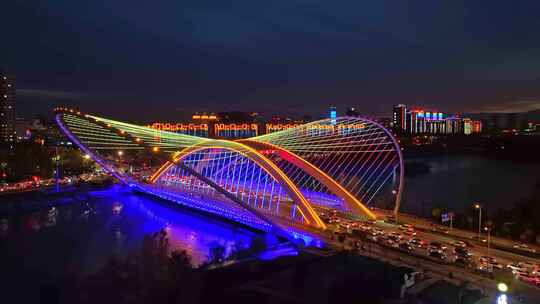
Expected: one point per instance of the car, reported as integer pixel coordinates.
(389, 241)
(406, 227)
(528, 265)
(479, 238)
(496, 265)
(437, 245)
(528, 278)
(417, 242)
(524, 247)
(515, 267)
(487, 259)
(373, 236)
(395, 235)
(344, 225)
(406, 246)
(462, 252)
(462, 261)
(441, 229)
(364, 227)
(409, 233)
(460, 244)
(437, 254)
(485, 268)
(377, 230)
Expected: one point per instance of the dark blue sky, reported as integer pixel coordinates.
(162, 59)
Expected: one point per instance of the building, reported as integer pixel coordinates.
(7, 110)
(477, 126)
(398, 118)
(332, 114)
(425, 122)
(454, 124)
(22, 129)
(352, 111)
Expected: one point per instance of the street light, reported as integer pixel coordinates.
(477, 206)
(489, 237)
(502, 287)
(86, 156)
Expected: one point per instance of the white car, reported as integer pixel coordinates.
(516, 268)
(459, 244)
(524, 248)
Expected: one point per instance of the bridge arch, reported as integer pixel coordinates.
(305, 207)
(357, 154)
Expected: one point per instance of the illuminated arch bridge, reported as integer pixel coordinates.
(282, 182)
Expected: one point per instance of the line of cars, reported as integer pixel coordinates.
(457, 252)
(526, 272)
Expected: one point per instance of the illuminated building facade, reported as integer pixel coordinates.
(398, 118)
(233, 130)
(477, 126)
(200, 129)
(204, 117)
(423, 122)
(332, 115)
(7, 111)
(454, 124)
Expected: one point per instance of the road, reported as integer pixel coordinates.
(419, 258)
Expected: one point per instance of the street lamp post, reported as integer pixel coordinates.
(477, 206)
(394, 192)
(57, 171)
(489, 238)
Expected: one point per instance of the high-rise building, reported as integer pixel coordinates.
(419, 121)
(7, 110)
(398, 118)
(454, 124)
(332, 114)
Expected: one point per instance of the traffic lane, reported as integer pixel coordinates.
(505, 256)
(425, 224)
(448, 239)
(380, 251)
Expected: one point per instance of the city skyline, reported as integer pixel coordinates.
(203, 57)
(281, 151)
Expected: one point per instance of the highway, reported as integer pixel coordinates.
(381, 236)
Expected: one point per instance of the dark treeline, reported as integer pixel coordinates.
(33, 159)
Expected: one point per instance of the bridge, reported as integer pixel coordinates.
(282, 182)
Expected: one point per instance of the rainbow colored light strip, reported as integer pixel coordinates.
(286, 178)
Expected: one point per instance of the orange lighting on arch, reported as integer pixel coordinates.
(307, 210)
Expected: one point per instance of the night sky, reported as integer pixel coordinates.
(149, 60)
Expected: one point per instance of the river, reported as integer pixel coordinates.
(82, 234)
(454, 182)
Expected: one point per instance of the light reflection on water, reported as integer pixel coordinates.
(85, 234)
